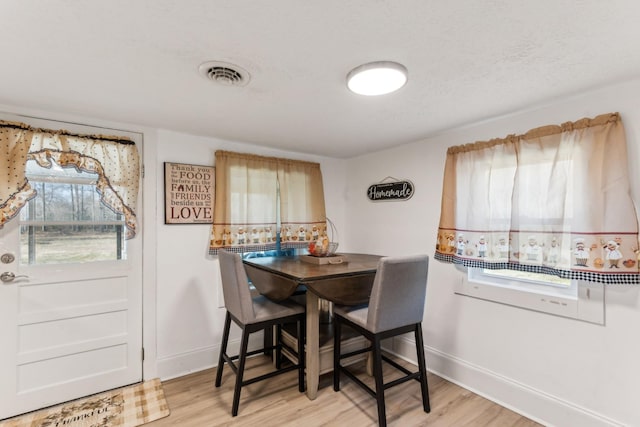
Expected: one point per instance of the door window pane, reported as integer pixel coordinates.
(66, 222)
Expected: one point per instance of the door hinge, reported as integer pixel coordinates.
(143, 171)
(142, 353)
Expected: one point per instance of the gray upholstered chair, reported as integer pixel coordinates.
(253, 315)
(396, 306)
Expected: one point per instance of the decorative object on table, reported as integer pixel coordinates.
(188, 193)
(325, 245)
(126, 407)
(390, 189)
(323, 260)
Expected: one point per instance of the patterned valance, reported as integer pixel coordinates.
(114, 159)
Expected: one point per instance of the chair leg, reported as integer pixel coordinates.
(223, 348)
(337, 331)
(377, 372)
(422, 366)
(239, 376)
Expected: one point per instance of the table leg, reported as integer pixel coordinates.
(313, 346)
(268, 339)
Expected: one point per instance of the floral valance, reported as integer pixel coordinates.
(114, 159)
(554, 200)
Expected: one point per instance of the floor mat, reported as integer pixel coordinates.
(126, 407)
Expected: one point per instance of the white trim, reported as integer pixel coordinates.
(582, 300)
(178, 365)
(149, 257)
(549, 410)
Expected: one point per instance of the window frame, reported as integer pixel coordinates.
(582, 300)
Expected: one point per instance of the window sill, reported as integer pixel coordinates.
(587, 304)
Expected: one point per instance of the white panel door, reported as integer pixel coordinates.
(68, 329)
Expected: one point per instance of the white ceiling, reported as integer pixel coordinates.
(136, 61)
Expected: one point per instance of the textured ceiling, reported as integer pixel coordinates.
(136, 61)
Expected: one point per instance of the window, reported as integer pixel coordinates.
(535, 282)
(278, 251)
(265, 203)
(66, 222)
(543, 293)
(542, 220)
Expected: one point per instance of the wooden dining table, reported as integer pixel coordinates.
(348, 282)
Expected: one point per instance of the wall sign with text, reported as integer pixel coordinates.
(390, 190)
(188, 193)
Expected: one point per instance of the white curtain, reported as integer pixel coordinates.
(554, 200)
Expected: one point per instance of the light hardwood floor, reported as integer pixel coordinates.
(195, 401)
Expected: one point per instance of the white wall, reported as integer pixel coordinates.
(558, 371)
(189, 300)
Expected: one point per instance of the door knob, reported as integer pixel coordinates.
(8, 276)
(7, 258)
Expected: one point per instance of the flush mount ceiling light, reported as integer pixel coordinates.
(377, 78)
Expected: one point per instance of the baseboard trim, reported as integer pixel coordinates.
(178, 365)
(532, 403)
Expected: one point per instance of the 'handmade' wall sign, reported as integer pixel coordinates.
(390, 191)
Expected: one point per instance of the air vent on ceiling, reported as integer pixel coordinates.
(224, 73)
